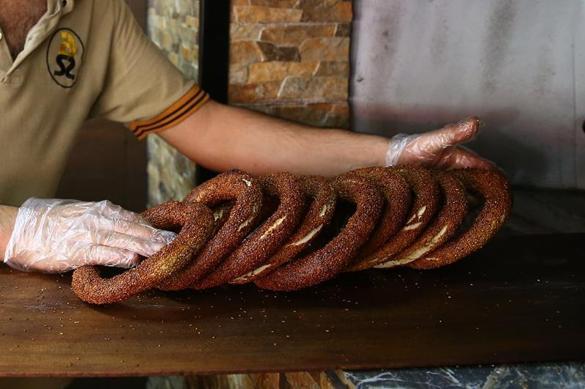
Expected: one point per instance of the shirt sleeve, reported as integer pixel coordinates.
(143, 89)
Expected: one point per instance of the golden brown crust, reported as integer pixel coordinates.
(494, 188)
(398, 198)
(443, 227)
(196, 222)
(277, 254)
(321, 209)
(325, 263)
(268, 237)
(246, 194)
(424, 207)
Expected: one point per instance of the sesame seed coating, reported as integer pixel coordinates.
(397, 201)
(321, 209)
(323, 264)
(268, 237)
(495, 190)
(443, 227)
(426, 203)
(246, 193)
(196, 222)
(403, 217)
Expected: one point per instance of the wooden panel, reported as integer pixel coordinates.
(521, 299)
(107, 162)
(138, 8)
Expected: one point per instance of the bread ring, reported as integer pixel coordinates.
(241, 251)
(443, 227)
(324, 263)
(494, 188)
(396, 192)
(319, 215)
(221, 215)
(267, 238)
(424, 207)
(196, 222)
(246, 193)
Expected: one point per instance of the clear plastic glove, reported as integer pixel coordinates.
(440, 148)
(60, 235)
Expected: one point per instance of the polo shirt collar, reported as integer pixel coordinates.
(56, 9)
(63, 7)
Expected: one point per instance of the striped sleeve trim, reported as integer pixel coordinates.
(180, 110)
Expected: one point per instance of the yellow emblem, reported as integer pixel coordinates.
(64, 57)
(68, 45)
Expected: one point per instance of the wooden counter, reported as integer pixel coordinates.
(520, 299)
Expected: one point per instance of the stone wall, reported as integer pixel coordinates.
(174, 26)
(290, 58)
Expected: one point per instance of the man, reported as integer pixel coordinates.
(62, 61)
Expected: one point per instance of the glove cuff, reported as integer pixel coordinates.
(395, 148)
(31, 209)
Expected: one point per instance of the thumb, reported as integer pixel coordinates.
(454, 134)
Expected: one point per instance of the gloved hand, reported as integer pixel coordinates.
(440, 148)
(60, 235)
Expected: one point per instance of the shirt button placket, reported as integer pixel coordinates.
(3, 77)
(5, 59)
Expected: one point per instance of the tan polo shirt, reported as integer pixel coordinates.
(84, 58)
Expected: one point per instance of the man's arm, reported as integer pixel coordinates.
(222, 137)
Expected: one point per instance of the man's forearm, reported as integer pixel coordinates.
(222, 137)
(7, 217)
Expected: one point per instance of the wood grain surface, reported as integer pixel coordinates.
(521, 299)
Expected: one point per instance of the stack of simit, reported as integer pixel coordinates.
(278, 231)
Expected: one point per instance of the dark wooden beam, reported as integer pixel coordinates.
(214, 42)
(520, 299)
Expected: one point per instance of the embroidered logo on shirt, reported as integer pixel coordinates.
(64, 56)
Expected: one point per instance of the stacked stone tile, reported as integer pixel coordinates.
(290, 58)
(174, 26)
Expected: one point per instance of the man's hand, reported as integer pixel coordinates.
(439, 148)
(60, 235)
